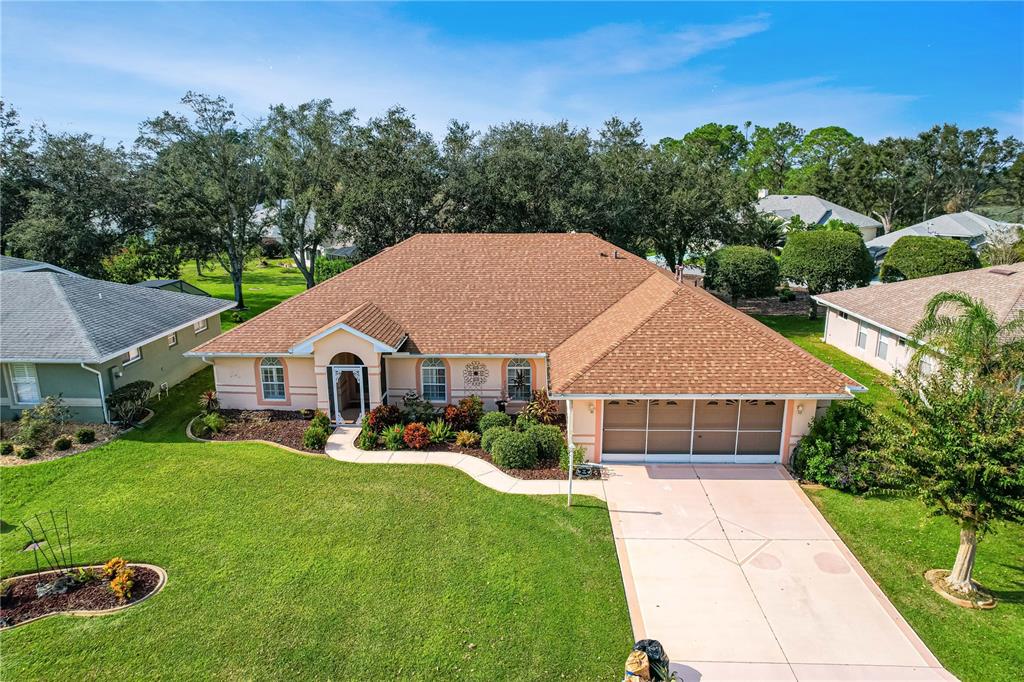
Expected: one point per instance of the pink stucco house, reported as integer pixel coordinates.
(874, 324)
(645, 368)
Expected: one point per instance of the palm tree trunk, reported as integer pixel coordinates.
(960, 577)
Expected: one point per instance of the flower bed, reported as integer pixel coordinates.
(21, 604)
(545, 469)
(276, 426)
(104, 434)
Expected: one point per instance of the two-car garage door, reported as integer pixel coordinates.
(705, 430)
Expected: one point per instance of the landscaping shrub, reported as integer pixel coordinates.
(61, 443)
(114, 566)
(325, 268)
(826, 260)
(457, 417)
(392, 437)
(25, 452)
(121, 583)
(835, 451)
(467, 439)
(320, 419)
(315, 437)
(487, 439)
(525, 422)
(209, 402)
(416, 436)
(913, 257)
(237, 317)
(271, 248)
(367, 439)
(214, 422)
(549, 439)
(40, 424)
(200, 430)
(741, 271)
(85, 436)
(492, 419)
(440, 431)
(383, 416)
(514, 450)
(579, 456)
(474, 407)
(416, 409)
(786, 294)
(6, 448)
(542, 408)
(128, 403)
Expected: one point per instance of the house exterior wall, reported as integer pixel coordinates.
(842, 333)
(239, 388)
(342, 341)
(799, 414)
(79, 389)
(403, 375)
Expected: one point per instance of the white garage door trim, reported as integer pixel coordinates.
(692, 429)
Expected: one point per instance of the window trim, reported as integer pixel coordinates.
(31, 369)
(861, 329)
(172, 339)
(263, 382)
(196, 329)
(434, 364)
(521, 365)
(129, 360)
(882, 341)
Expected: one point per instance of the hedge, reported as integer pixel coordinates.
(826, 260)
(325, 268)
(741, 271)
(514, 450)
(913, 257)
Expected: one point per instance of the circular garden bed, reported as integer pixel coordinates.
(276, 426)
(29, 597)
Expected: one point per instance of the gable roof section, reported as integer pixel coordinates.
(812, 209)
(366, 320)
(963, 225)
(55, 317)
(12, 264)
(899, 306)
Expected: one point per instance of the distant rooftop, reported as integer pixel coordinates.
(812, 210)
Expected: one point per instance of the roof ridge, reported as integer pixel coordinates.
(73, 314)
(618, 342)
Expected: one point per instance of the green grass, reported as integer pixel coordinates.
(807, 334)
(262, 287)
(897, 541)
(289, 566)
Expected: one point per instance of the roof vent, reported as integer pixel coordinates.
(617, 255)
(1002, 271)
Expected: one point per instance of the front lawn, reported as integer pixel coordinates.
(807, 334)
(897, 541)
(289, 566)
(262, 287)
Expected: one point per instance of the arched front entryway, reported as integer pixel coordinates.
(348, 388)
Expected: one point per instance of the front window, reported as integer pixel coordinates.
(882, 350)
(433, 378)
(133, 355)
(272, 379)
(520, 380)
(862, 337)
(199, 326)
(25, 383)
(172, 340)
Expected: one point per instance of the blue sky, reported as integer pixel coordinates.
(877, 68)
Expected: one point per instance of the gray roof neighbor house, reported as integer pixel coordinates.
(179, 285)
(816, 211)
(12, 264)
(966, 226)
(56, 317)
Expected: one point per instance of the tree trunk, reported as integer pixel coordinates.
(812, 307)
(199, 267)
(960, 577)
(236, 279)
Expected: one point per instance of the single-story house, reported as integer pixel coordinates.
(976, 230)
(815, 211)
(179, 285)
(83, 338)
(12, 264)
(874, 324)
(265, 215)
(645, 368)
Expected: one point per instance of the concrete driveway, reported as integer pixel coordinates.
(738, 575)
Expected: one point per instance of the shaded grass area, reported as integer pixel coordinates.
(807, 334)
(897, 541)
(289, 566)
(262, 287)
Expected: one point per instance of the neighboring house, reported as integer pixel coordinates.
(874, 323)
(815, 211)
(971, 228)
(12, 264)
(179, 285)
(265, 215)
(82, 338)
(646, 369)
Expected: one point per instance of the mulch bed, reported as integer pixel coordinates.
(104, 434)
(545, 470)
(771, 305)
(21, 603)
(275, 426)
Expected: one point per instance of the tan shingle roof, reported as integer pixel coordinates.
(571, 295)
(900, 305)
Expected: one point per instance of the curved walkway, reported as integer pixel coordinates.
(341, 446)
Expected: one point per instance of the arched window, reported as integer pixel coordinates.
(433, 380)
(519, 379)
(272, 378)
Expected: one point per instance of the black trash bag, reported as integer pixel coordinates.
(657, 658)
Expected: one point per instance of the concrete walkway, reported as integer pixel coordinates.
(341, 446)
(740, 577)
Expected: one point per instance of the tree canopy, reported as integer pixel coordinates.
(826, 260)
(912, 257)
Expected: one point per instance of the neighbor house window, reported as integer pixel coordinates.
(862, 337)
(133, 355)
(433, 379)
(520, 380)
(25, 383)
(272, 379)
(172, 340)
(882, 349)
(844, 316)
(199, 326)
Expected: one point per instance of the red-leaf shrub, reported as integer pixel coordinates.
(458, 417)
(416, 436)
(383, 416)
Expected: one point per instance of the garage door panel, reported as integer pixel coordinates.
(624, 442)
(759, 443)
(762, 414)
(668, 442)
(625, 414)
(673, 414)
(717, 414)
(714, 442)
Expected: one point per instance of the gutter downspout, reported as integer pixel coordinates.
(103, 397)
